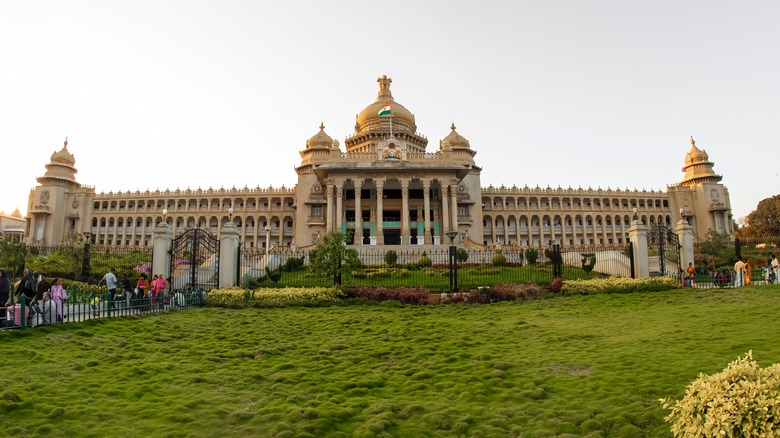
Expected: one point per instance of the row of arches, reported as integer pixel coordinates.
(138, 230)
(566, 229)
(571, 202)
(254, 203)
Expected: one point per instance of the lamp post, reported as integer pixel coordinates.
(165, 215)
(230, 213)
(267, 238)
(636, 216)
(453, 262)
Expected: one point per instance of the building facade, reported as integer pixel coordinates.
(385, 188)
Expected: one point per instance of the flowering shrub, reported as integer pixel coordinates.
(145, 268)
(425, 261)
(618, 285)
(236, 297)
(742, 400)
(556, 285)
(405, 295)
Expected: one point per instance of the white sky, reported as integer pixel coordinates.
(167, 94)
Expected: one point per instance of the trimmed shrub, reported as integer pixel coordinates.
(531, 255)
(404, 295)
(462, 255)
(556, 285)
(499, 259)
(238, 298)
(742, 400)
(425, 261)
(391, 257)
(618, 285)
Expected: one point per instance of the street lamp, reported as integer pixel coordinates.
(453, 261)
(267, 238)
(230, 213)
(636, 216)
(165, 215)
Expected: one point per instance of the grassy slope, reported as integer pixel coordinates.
(585, 365)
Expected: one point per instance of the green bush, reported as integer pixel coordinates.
(499, 259)
(249, 282)
(288, 296)
(391, 257)
(618, 285)
(531, 255)
(293, 264)
(462, 255)
(425, 261)
(740, 401)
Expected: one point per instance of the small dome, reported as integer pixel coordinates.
(695, 155)
(63, 156)
(384, 96)
(320, 139)
(456, 140)
(16, 213)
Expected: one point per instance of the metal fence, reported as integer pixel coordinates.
(85, 302)
(430, 269)
(88, 263)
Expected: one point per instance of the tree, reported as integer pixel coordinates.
(332, 256)
(764, 222)
(12, 254)
(716, 249)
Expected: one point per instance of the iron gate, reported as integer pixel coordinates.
(194, 266)
(665, 241)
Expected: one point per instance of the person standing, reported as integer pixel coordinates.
(142, 286)
(43, 286)
(739, 268)
(776, 268)
(5, 292)
(691, 271)
(110, 281)
(153, 292)
(748, 272)
(59, 296)
(27, 287)
(161, 286)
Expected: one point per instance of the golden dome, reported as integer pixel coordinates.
(320, 139)
(456, 140)
(63, 156)
(384, 96)
(695, 155)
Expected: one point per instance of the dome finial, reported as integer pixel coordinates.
(384, 86)
(693, 142)
(66, 141)
(453, 126)
(322, 126)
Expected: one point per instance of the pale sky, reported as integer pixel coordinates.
(177, 94)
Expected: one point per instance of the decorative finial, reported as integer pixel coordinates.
(66, 141)
(453, 126)
(322, 126)
(693, 142)
(384, 86)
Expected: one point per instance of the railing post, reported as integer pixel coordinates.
(22, 308)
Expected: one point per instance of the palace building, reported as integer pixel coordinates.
(385, 187)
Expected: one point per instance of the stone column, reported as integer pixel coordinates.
(228, 255)
(454, 212)
(638, 235)
(329, 209)
(427, 213)
(445, 211)
(405, 235)
(161, 257)
(685, 234)
(358, 214)
(339, 206)
(380, 234)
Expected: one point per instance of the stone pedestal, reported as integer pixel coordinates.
(228, 255)
(372, 240)
(685, 235)
(162, 238)
(638, 235)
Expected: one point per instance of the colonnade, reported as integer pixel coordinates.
(444, 207)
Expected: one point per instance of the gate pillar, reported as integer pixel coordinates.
(638, 235)
(685, 233)
(162, 237)
(228, 255)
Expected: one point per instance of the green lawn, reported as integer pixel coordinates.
(581, 365)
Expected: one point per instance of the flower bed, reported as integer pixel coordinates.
(617, 285)
(237, 297)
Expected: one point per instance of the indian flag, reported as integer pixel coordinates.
(385, 111)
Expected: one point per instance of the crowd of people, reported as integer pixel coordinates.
(46, 301)
(742, 275)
